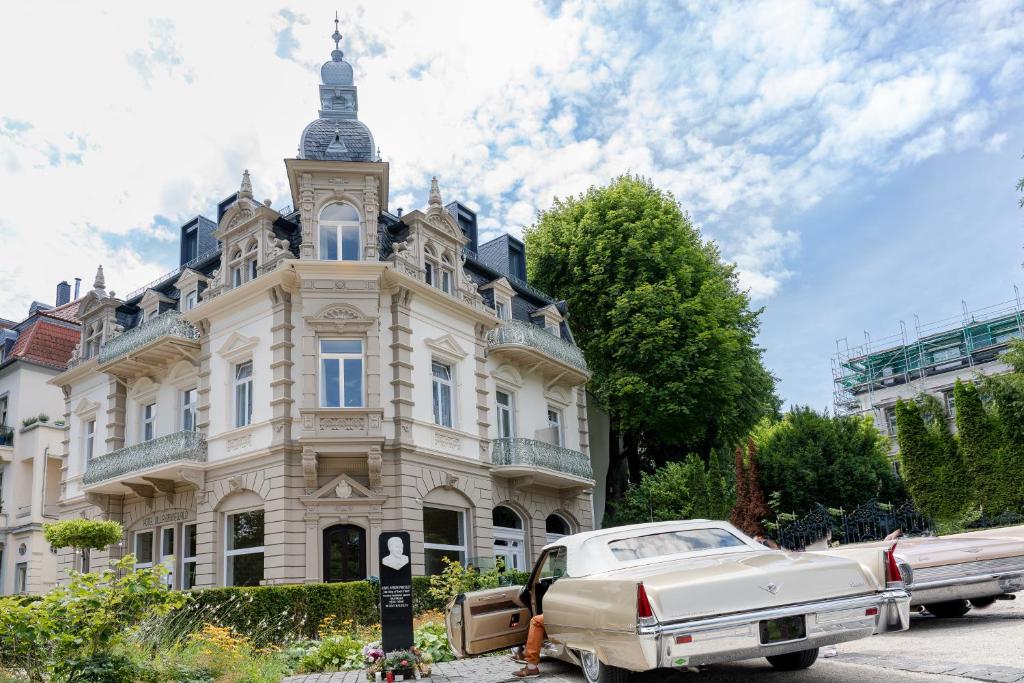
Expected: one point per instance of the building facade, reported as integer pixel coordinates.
(32, 353)
(309, 378)
(871, 378)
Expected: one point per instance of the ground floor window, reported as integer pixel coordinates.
(21, 577)
(344, 553)
(143, 549)
(188, 556)
(444, 535)
(509, 538)
(556, 526)
(86, 561)
(243, 554)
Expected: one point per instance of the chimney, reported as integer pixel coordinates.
(399, 212)
(78, 285)
(63, 293)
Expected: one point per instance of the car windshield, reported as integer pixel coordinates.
(672, 543)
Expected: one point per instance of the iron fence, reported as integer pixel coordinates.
(871, 521)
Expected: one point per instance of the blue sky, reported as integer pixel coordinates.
(856, 160)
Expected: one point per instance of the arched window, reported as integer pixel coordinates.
(556, 526)
(509, 538)
(339, 233)
(447, 274)
(251, 259)
(93, 340)
(235, 264)
(430, 266)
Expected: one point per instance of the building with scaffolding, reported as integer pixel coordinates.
(869, 378)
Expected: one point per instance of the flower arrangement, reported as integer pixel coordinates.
(404, 664)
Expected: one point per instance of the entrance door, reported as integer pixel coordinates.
(344, 553)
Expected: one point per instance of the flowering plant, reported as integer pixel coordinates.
(373, 653)
(400, 662)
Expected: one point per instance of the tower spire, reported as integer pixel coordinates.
(336, 37)
(100, 283)
(246, 189)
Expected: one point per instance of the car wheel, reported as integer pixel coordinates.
(949, 610)
(596, 671)
(983, 602)
(791, 661)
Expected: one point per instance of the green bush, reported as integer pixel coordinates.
(92, 534)
(335, 653)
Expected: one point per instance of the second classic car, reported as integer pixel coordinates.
(681, 594)
(951, 574)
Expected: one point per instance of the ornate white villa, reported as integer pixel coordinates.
(308, 379)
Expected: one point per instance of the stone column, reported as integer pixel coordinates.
(482, 395)
(401, 365)
(306, 248)
(281, 365)
(203, 387)
(117, 397)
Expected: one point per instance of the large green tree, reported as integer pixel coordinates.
(661, 319)
(678, 490)
(809, 457)
(933, 469)
(980, 443)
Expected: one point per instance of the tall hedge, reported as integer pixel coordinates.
(994, 488)
(933, 468)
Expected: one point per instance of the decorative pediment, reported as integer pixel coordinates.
(558, 394)
(508, 374)
(86, 407)
(237, 346)
(447, 347)
(344, 488)
(341, 318)
(152, 299)
(500, 286)
(189, 280)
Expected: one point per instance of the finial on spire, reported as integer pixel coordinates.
(246, 189)
(336, 37)
(100, 283)
(435, 193)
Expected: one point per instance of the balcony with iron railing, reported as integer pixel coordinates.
(146, 462)
(529, 343)
(164, 338)
(541, 462)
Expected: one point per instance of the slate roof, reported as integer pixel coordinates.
(354, 141)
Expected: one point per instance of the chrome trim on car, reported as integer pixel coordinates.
(944, 574)
(737, 636)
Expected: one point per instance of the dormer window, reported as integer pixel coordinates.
(251, 260)
(339, 233)
(438, 273)
(191, 299)
(93, 340)
(236, 268)
(447, 274)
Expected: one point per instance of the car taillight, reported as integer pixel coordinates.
(892, 568)
(643, 605)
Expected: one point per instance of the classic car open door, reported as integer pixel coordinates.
(487, 620)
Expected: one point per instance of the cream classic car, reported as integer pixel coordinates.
(679, 594)
(950, 574)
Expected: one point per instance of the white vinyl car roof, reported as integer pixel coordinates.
(588, 552)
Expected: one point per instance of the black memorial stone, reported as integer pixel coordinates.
(395, 591)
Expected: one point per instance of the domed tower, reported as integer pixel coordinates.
(337, 135)
(338, 182)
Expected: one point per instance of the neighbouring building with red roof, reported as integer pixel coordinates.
(31, 439)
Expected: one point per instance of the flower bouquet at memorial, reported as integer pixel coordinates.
(401, 663)
(373, 655)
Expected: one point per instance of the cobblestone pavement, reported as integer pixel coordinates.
(986, 645)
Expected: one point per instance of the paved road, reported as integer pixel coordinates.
(986, 645)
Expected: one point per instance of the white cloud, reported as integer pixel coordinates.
(746, 113)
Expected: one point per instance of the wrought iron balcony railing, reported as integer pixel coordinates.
(534, 453)
(519, 333)
(174, 447)
(166, 324)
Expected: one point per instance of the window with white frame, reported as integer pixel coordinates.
(555, 424)
(143, 549)
(21, 578)
(3, 411)
(85, 561)
(251, 261)
(189, 404)
(149, 422)
(191, 299)
(89, 439)
(447, 274)
(429, 272)
(167, 554)
(442, 387)
(243, 548)
(501, 308)
(506, 414)
(93, 340)
(444, 535)
(188, 556)
(243, 393)
(890, 420)
(341, 373)
(236, 268)
(339, 233)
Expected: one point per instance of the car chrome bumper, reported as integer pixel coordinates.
(966, 587)
(737, 636)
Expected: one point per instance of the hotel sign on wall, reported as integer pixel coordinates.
(169, 516)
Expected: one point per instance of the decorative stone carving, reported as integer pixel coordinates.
(343, 489)
(309, 468)
(235, 483)
(374, 465)
(342, 424)
(447, 441)
(239, 442)
(451, 481)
